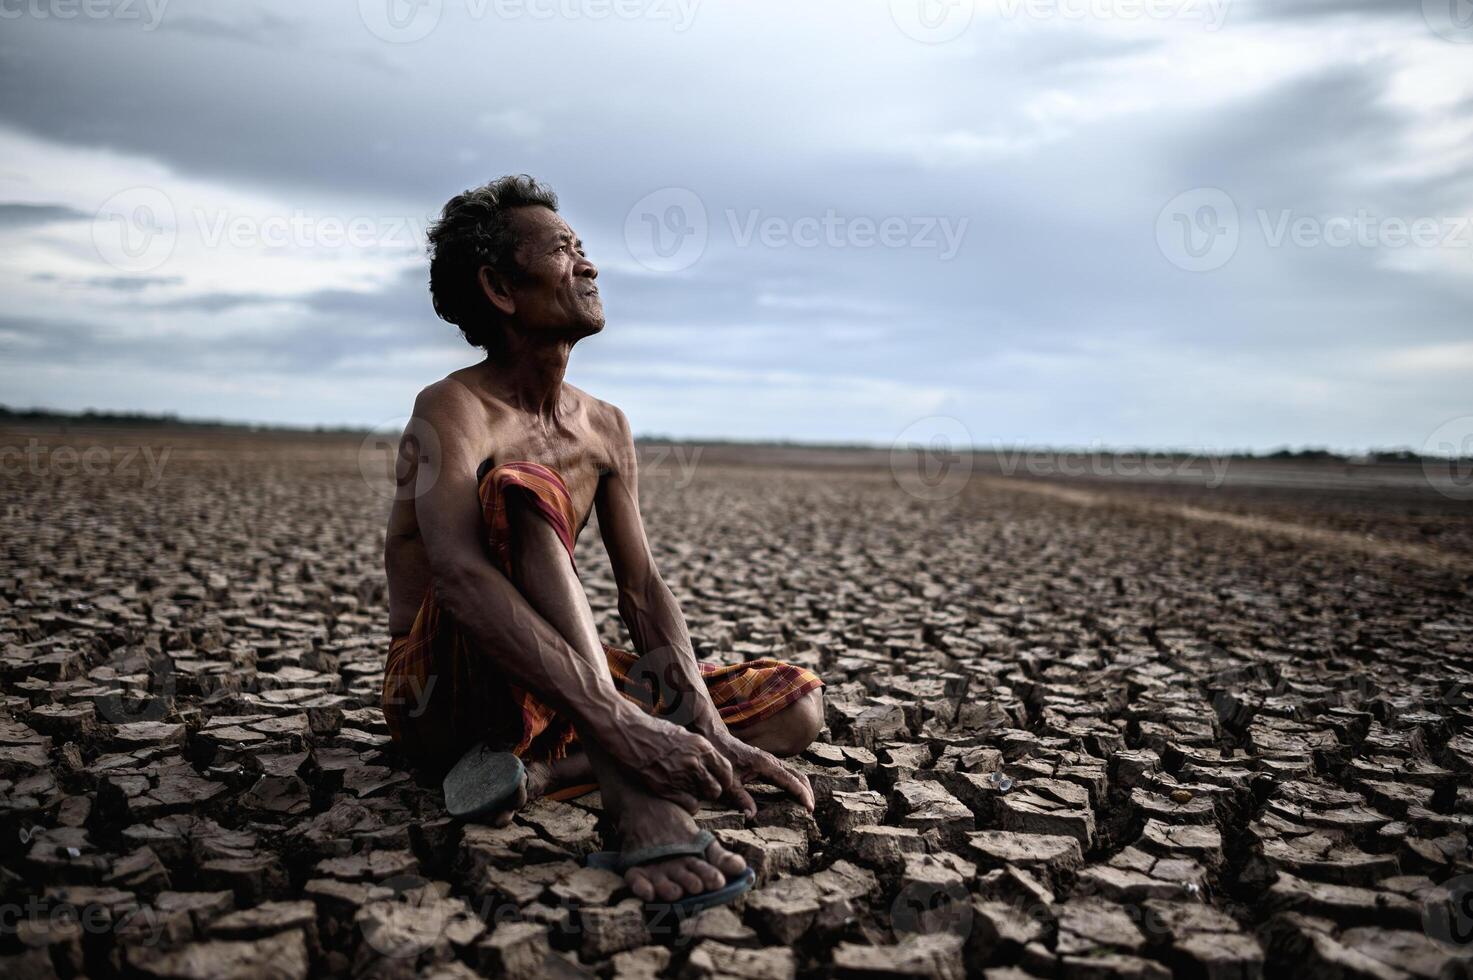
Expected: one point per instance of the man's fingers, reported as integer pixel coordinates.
(718, 769)
(792, 781)
(686, 802)
(710, 766)
(802, 781)
(744, 800)
(707, 784)
(736, 791)
(725, 773)
(721, 766)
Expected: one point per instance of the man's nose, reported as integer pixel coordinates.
(585, 267)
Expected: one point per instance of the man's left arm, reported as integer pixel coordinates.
(667, 659)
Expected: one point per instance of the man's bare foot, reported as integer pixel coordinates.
(541, 778)
(648, 821)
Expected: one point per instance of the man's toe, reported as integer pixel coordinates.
(639, 883)
(711, 877)
(684, 876)
(727, 862)
(666, 889)
(651, 882)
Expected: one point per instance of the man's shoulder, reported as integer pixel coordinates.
(606, 416)
(451, 395)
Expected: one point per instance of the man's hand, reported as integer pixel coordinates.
(752, 764)
(675, 764)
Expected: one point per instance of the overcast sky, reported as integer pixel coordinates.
(1185, 223)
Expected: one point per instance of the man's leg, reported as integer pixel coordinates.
(789, 731)
(545, 576)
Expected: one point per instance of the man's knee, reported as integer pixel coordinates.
(799, 724)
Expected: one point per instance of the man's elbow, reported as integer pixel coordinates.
(456, 584)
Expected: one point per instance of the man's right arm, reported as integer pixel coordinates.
(528, 649)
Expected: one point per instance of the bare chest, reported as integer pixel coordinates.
(581, 460)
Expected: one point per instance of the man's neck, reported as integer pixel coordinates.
(530, 376)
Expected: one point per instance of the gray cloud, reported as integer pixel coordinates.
(117, 284)
(1350, 10)
(16, 215)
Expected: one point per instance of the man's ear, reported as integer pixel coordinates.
(495, 289)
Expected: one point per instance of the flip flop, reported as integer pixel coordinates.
(621, 861)
(483, 782)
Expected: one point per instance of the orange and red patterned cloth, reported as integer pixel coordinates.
(441, 695)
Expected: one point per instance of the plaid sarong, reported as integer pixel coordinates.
(441, 695)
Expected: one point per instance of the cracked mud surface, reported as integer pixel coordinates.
(1070, 733)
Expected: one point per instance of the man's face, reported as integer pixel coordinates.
(557, 291)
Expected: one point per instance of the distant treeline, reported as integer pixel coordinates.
(146, 420)
(169, 420)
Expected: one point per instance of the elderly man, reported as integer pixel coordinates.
(495, 671)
